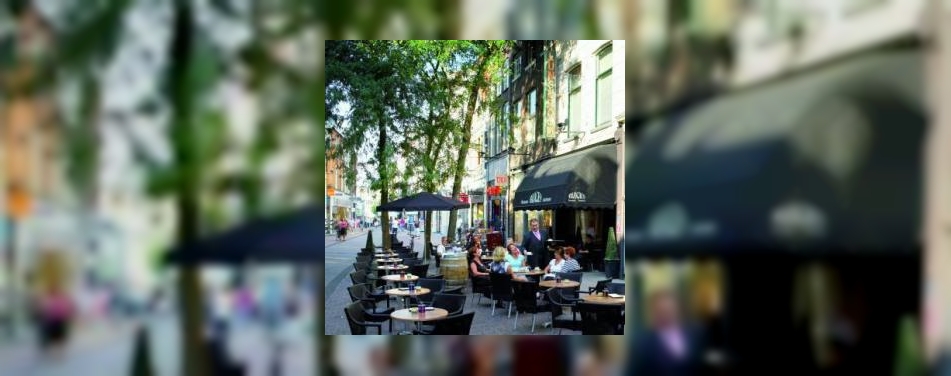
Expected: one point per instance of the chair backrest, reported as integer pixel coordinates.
(436, 285)
(358, 266)
(354, 312)
(458, 325)
(412, 261)
(501, 285)
(355, 278)
(361, 258)
(600, 319)
(574, 276)
(616, 288)
(420, 270)
(524, 295)
(454, 303)
(558, 296)
(356, 292)
(601, 285)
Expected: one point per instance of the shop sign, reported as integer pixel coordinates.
(576, 197)
(536, 198)
(501, 180)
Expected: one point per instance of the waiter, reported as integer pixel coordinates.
(534, 241)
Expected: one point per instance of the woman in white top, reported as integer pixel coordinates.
(556, 264)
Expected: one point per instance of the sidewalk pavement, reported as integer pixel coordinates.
(106, 351)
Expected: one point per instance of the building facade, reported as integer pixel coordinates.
(553, 140)
(339, 204)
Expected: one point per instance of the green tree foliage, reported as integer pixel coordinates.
(371, 94)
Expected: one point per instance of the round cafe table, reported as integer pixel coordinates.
(399, 278)
(389, 261)
(406, 315)
(600, 299)
(405, 294)
(532, 273)
(564, 284)
(392, 267)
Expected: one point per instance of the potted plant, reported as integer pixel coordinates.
(612, 263)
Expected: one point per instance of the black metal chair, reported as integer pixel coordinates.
(420, 270)
(598, 287)
(526, 300)
(616, 288)
(436, 286)
(501, 288)
(356, 317)
(361, 258)
(481, 286)
(558, 303)
(600, 319)
(452, 325)
(454, 303)
(363, 292)
(371, 313)
(362, 277)
(412, 261)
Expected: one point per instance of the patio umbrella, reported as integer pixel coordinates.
(422, 201)
(290, 238)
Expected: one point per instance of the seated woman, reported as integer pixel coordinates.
(557, 264)
(477, 270)
(500, 266)
(571, 265)
(514, 256)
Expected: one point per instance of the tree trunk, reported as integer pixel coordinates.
(187, 202)
(428, 234)
(464, 148)
(384, 186)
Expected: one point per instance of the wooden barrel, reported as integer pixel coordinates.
(453, 269)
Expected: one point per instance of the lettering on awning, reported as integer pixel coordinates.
(536, 198)
(577, 197)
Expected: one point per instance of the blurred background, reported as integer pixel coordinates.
(811, 243)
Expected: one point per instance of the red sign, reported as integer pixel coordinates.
(501, 180)
(464, 197)
(494, 191)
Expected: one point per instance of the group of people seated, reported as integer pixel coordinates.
(510, 259)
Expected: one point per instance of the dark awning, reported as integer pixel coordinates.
(423, 201)
(584, 180)
(295, 237)
(829, 160)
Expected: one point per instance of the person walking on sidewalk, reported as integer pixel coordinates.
(342, 230)
(55, 310)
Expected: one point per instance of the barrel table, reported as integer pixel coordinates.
(453, 269)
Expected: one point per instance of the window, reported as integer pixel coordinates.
(505, 125)
(574, 99)
(518, 65)
(531, 103)
(603, 88)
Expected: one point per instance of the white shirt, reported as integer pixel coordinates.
(440, 249)
(555, 268)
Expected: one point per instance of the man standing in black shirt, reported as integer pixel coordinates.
(534, 241)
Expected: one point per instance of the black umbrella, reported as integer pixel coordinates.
(290, 238)
(423, 201)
